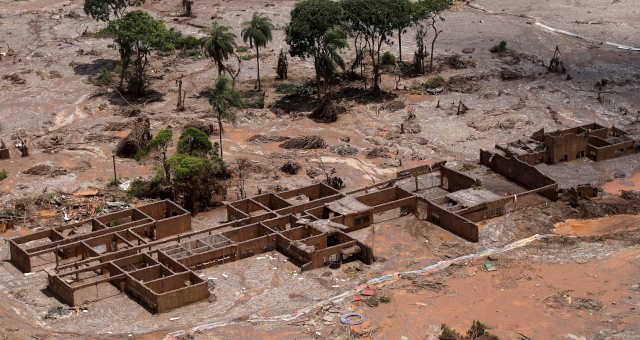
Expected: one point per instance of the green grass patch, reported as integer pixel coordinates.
(500, 47)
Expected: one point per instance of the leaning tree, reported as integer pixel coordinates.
(257, 32)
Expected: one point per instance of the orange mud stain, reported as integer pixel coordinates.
(509, 300)
(615, 187)
(598, 226)
(419, 98)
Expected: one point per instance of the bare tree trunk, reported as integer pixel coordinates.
(436, 33)
(400, 44)
(258, 62)
(220, 134)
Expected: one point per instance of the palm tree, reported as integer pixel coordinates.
(219, 45)
(257, 32)
(223, 98)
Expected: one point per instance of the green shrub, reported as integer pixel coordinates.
(103, 79)
(500, 47)
(434, 82)
(194, 142)
(388, 58)
(385, 299)
(187, 42)
(246, 57)
(3, 174)
(241, 49)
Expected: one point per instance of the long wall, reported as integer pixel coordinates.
(521, 173)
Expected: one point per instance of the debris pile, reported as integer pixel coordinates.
(327, 111)
(304, 142)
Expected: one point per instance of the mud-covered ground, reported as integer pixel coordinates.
(581, 283)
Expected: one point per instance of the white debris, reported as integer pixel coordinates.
(125, 186)
(225, 275)
(174, 319)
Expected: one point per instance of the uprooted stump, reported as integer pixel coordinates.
(304, 142)
(290, 168)
(327, 111)
(138, 139)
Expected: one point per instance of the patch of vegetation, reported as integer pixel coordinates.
(3, 174)
(114, 181)
(388, 58)
(478, 331)
(286, 88)
(434, 82)
(246, 57)
(194, 142)
(499, 48)
(242, 49)
(103, 79)
(372, 301)
(115, 223)
(384, 299)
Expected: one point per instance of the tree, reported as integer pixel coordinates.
(136, 35)
(219, 45)
(196, 179)
(327, 56)
(194, 142)
(223, 99)
(102, 10)
(403, 10)
(257, 32)
(310, 20)
(426, 13)
(161, 143)
(374, 20)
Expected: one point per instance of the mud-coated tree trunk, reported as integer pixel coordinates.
(400, 44)
(220, 133)
(258, 62)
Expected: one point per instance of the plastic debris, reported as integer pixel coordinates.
(490, 266)
(345, 319)
(367, 292)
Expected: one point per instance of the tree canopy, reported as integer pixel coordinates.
(257, 32)
(219, 45)
(194, 142)
(375, 21)
(310, 19)
(102, 10)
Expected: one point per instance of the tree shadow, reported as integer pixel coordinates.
(124, 99)
(95, 67)
(294, 103)
(363, 96)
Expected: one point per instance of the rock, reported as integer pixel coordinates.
(345, 139)
(138, 138)
(378, 152)
(304, 142)
(313, 172)
(468, 50)
(345, 150)
(510, 74)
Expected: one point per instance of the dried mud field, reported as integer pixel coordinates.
(572, 273)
